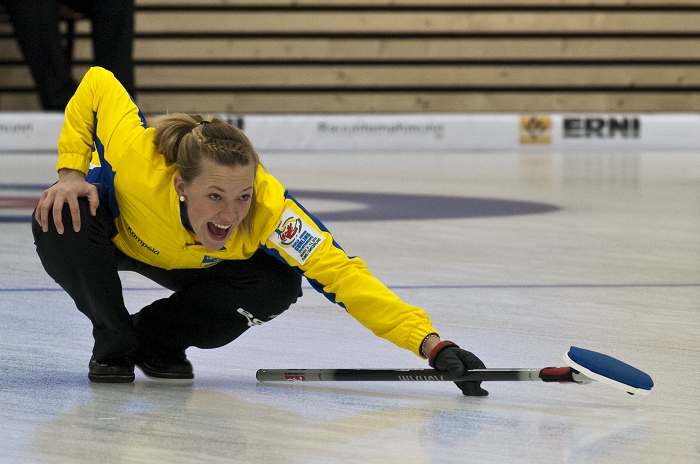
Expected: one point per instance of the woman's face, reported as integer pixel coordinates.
(217, 200)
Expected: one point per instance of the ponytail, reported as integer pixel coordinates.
(170, 130)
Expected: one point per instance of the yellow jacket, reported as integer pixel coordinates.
(136, 182)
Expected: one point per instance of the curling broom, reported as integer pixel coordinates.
(583, 367)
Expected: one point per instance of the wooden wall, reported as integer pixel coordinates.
(289, 56)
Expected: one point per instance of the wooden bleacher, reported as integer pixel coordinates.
(314, 56)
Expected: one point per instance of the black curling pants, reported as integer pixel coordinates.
(209, 307)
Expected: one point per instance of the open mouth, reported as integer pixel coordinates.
(218, 231)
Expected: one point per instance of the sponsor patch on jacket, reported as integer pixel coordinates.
(297, 237)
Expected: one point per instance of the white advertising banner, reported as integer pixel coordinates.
(30, 131)
(610, 131)
(424, 132)
(474, 132)
(376, 132)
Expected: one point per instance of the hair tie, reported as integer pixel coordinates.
(201, 123)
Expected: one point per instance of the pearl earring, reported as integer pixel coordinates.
(182, 198)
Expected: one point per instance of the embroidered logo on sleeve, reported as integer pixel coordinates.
(296, 236)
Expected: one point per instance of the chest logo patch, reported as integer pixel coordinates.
(210, 261)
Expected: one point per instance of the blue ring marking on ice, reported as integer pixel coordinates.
(19, 217)
(381, 206)
(399, 206)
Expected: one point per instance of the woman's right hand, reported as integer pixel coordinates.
(71, 185)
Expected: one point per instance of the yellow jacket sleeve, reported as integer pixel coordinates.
(101, 116)
(304, 243)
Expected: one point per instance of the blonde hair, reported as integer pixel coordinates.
(186, 139)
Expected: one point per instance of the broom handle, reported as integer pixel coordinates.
(547, 374)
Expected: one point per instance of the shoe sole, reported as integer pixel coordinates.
(166, 377)
(111, 378)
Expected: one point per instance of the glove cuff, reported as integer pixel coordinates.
(438, 348)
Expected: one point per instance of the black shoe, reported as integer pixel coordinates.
(120, 370)
(170, 366)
